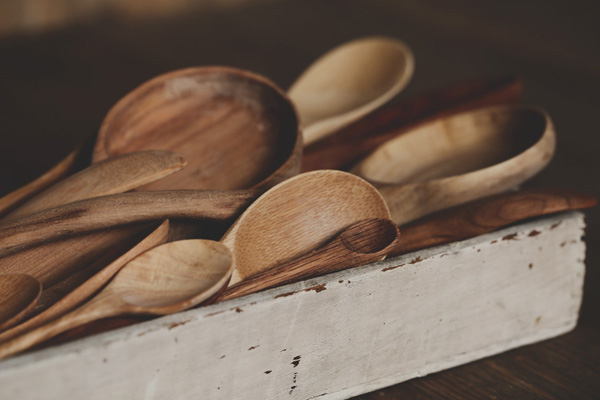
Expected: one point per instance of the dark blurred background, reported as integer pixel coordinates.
(64, 63)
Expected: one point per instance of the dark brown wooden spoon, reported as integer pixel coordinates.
(487, 215)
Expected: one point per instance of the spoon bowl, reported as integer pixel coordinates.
(458, 159)
(20, 292)
(236, 129)
(348, 82)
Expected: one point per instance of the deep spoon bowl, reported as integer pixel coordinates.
(237, 129)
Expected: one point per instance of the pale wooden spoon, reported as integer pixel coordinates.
(164, 280)
(84, 291)
(297, 216)
(458, 159)
(348, 82)
(20, 292)
(366, 241)
(117, 175)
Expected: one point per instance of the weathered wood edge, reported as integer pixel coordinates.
(79, 348)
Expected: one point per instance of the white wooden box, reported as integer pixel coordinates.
(335, 336)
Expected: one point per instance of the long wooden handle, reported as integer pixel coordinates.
(341, 149)
(120, 209)
(115, 175)
(364, 242)
(93, 310)
(486, 215)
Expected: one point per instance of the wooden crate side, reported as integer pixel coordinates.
(335, 336)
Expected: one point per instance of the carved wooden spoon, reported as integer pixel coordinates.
(297, 216)
(345, 147)
(488, 214)
(85, 290)
(117, 175)
(366, 241)
(164, 280)
(237, 129)
(348, 82)
(20, 292)
(458, 159)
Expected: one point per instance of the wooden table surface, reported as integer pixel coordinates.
(55, 89)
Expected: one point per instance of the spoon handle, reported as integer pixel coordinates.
(120, 209)
(364, 242)
(343, 148)
(115, 175)
(97, 308)
(488, 214)
(90, 286)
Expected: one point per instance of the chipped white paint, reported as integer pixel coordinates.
(336, 336)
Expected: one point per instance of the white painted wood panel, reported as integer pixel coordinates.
(335, 336)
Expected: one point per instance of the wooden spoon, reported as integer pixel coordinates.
(164, 280)
(84, 291)
(297, 216)
(489, 214)
(362, 243)
(348, 82)
(118, 210)
(116, 175)
(344, 148)
(458, 159)
(237, 129)
(20, 292)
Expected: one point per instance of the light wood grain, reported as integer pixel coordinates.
(20, 292)
(458, 159)
(166, 279)
(237, 129)
(297, 216)
(362, 243)
(385, 323)
(344, 148)
(117, 210)
(488, 214)
(86, 289)
(348, 82)
(117, 175)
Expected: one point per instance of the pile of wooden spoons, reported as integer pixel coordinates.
(122, 225)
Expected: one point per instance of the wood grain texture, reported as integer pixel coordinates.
(76, 293)
(460, 158)
(20, 292)
(164, 280)
(348, 82)
(116, 175)
(362, 243)
(117, 210)
(488, 214)
(297, 216)
(237, 129)
(54, 261)
(385, 323)
(344, 148)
